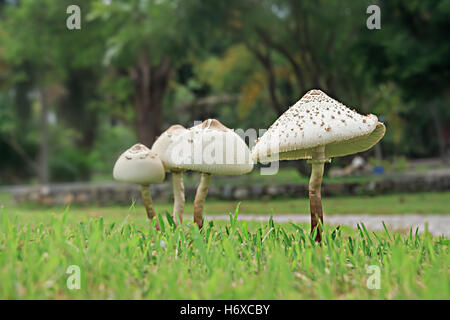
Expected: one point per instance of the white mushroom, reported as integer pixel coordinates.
(162, 147)
(142, 166)
(212, 149)
(318, 128)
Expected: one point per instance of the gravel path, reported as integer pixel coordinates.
(437, 224)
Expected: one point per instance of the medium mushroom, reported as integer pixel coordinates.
(211, 149)
(162, 147)
(318, 128)
(142, 166)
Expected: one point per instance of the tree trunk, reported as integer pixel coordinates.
(266, 61)
(439, 131)
(81, 87)
(22, 102)
(44, 145)
(150, 86)
(378, 152)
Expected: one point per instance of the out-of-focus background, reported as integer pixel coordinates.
(72, 100)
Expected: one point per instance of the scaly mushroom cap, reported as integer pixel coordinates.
(162, 144)
(318, 120)
(210, 147)
(139, 165)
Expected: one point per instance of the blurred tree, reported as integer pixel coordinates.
(51, 65)
(33, 59)
(145, 64)
(144, 46)
(289, 33)
(412, 49)
(299, 45)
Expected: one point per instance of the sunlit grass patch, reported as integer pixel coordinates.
(126, 258)
(425, 203)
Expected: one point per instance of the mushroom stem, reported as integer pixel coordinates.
(200, 196)
(178, 194)
(148, 203)
(315, 198)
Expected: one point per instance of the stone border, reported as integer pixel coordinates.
(118, 193)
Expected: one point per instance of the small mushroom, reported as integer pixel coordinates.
(142, 166)
(162, 147)
(339, 138)
(214, 150)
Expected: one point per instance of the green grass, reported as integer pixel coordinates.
(123, 257)
(426, 203)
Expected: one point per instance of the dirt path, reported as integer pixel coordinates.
(437, 224)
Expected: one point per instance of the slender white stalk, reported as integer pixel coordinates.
(315, 185)
(148, 203)
(178, 195)
(200, 196)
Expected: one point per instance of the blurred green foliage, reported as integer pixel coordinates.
(139, 66)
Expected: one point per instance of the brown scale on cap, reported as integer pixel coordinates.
(150, 154)
(137, 148)
(174, 128)
(214, 125)
(314, 92)
(142, 150)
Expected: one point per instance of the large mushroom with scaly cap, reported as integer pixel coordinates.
(318, 128)
(142, 166)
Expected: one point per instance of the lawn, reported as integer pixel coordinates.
(431, 202)
(123, 257)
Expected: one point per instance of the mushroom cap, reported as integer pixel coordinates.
(318, 120)
(161, 145)
(212, 148)
(139, 165)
